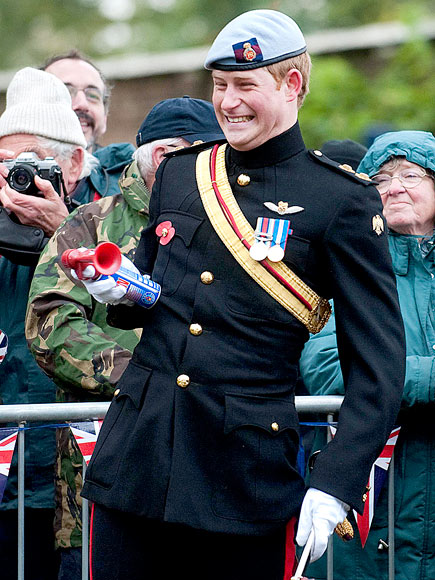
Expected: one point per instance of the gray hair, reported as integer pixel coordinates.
(65, 151)
(143, 154)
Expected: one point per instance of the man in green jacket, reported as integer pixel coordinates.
(67, 330)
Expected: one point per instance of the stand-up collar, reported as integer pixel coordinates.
(273, 151)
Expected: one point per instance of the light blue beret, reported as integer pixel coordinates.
(417, 146)
(255, 38)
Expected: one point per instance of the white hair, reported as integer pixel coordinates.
(64, 151)
(89, 163)
(144, 155)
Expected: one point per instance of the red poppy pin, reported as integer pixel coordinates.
(166, 232)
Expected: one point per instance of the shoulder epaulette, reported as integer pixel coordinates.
(342, 168)
(196, 147)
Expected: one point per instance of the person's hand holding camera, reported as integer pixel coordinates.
(46, 212)
(40, 205)
(4, 154)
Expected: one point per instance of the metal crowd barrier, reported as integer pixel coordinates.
(59, 412)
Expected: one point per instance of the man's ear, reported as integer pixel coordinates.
(293, 81)
(76, 167)
(157, 155)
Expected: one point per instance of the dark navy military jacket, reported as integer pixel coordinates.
(204, 429)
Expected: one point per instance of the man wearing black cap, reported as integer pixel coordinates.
(194, 471)
(82, 354)
(347, 152)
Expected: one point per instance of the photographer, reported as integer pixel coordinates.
(31, 126)
(37, 124)
(44, 212)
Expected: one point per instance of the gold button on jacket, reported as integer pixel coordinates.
(116, 393)
(183, 381)
(195, 329)
(207, 277)
(243, 180)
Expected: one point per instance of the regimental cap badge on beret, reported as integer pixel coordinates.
(248, 51)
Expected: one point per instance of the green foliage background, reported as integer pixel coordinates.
(346, 102)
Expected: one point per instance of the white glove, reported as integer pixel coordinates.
(106, 290)
(320, 512)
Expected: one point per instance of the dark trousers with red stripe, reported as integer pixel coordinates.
(128, 547)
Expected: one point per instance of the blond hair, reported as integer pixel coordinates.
(302, 63)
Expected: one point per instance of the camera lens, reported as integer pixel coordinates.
(21, 178)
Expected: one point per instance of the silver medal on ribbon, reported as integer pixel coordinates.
(260, 248)
(270, 239)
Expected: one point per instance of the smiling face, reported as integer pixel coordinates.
(80, 76)
(408, 210)
(251, 108)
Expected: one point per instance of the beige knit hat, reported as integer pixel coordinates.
(38, 103)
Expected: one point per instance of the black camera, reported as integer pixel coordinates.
(23, 169)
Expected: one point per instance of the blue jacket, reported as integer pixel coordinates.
(103, 179)
(415, 450)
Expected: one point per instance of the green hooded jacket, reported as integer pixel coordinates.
(414, 455)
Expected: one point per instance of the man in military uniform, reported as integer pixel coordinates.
(67, 330)
(194, 471)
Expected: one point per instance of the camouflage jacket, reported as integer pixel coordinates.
(67, 330)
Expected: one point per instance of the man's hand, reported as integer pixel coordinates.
(105, 290)
(46, 212)
(320, 512)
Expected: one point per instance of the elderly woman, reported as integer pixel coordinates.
(402, 164)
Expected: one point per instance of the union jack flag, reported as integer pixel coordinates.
(7, 446)
(86, 433)
(3, 345)
(378, 475)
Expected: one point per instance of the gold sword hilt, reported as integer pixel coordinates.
(345, 530)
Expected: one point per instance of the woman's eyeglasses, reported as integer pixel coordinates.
(409, 178)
